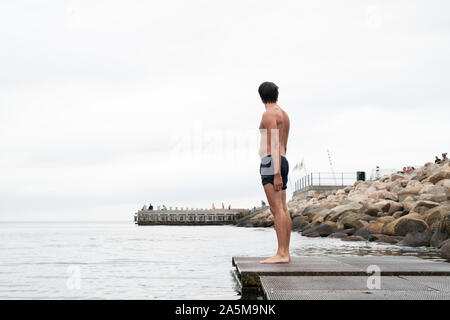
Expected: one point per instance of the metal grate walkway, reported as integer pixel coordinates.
(355, 288)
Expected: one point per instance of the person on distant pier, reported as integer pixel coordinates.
(229, 207)
(164, 207)
(274, 167)
(263, 203)
(444, 157)
(437, 160)
(150, 207)
(223, 206)
(213, 207)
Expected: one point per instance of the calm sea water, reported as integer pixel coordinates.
(119, 260)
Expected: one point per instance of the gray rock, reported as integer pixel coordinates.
(351, 220)
(298, 222)
(416, 239)
(338, 235)
(443, 243)
(423, 205)
(304, 227)
(445, 250)
(368, 219)
(322, 230)
(394, 207)
(384, 238)
(349, 231)
(363, 233)
(407, 225)
(441, 233)
(337, 211)
(369, 209)
(438, 237)
(353, 238)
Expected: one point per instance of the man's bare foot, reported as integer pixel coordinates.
(277, 259)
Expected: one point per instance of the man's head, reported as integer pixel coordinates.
(268, 92)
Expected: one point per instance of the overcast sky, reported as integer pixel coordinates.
(107, 105)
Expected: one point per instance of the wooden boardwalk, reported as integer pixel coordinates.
(326, 277)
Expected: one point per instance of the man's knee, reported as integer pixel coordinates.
(275, 209)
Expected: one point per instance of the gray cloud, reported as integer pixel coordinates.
(105, 106)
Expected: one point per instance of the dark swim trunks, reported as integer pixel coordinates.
(266, 170)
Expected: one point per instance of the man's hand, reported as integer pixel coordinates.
(277, 182)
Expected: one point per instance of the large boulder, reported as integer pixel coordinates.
(385, 238)
(369, 209)
(394, 207)
(363, 233)
(385, 219)
(445, 183)
(357, 197)
(396, 176)
(443, 173)
(445, 250)
(337, 211)
(409, 223)
(322, 230)
(263, 219)
(408, 191)
(383, 194)
(433, 197)
(338, 235)
(331, 224)
(435, 214)
(384, 205)
(398, 214)
(349, 231)
(442, 231)
(298, 222)
(353, 238)
(439, 188)
(397, 185)
(423, 205)
(416, 239)
(408, 203)
(311, 210)
(352, 220)
(374, 227)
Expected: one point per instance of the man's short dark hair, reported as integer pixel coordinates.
(268, 92)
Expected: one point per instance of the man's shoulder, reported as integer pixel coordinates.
(270, 113)
(268, 116)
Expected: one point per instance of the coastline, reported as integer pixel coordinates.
(411, 210)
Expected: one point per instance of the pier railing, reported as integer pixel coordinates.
(326, 179)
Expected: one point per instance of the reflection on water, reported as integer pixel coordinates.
(125, 261)
(336, 247)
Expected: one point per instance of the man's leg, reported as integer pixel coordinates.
(282, 222)
(288, 216)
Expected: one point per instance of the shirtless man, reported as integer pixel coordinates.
(274, 167)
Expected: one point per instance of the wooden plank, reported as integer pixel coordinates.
(250, 270)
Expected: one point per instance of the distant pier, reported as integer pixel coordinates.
(189, 216)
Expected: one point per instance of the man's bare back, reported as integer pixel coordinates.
(274, 167)
(275, 115)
